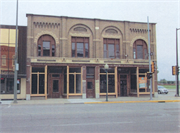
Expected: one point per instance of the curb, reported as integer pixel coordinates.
(154, 101)
(102, 102)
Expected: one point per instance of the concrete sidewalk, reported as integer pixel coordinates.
(142, 99)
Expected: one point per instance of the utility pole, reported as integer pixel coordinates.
(177, 67)
(149, 59)
(0, 73)
(16, 58)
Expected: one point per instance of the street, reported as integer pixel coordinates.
(171, 93)
(86, 118)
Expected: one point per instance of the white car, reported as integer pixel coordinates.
(162, 90)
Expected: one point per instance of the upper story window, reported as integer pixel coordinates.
(3, 60)
(46, 46)
(111, 48)
(80, 47)
(140, 50)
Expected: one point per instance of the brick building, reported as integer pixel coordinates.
(66, 57)
(7, 52)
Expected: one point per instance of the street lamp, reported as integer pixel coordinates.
(177, 71)
(106, 67)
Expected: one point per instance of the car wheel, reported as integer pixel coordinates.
(166, 92)
(159, 92)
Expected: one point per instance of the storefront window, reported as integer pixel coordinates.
(71, 83)
(111, 81)
(111, 86)
(38, 77)
(34, 84)
(78, 83)
(41, 83)
(65, 83)
(102, 83)
(74, 80)
(7, 86)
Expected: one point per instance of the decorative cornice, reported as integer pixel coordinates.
(139, 30)
(46, 25)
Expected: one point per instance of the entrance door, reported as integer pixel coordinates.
(122, 88)
(90, 91)
(54, 90)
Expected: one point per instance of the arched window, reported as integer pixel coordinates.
(140, 49)
(46, 46)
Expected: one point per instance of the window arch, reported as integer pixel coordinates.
(140, 49)
(46, 46)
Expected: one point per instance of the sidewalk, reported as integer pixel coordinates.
(141, 99)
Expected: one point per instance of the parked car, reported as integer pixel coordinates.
(162, 90)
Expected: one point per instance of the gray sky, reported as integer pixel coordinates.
(166, 13)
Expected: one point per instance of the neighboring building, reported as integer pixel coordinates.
(66, 57)
(7, 53)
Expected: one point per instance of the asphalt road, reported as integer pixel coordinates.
(171, 93)
(88, 118)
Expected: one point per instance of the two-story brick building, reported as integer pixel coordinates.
(66, 57)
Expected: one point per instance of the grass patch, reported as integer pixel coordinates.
(169, 86)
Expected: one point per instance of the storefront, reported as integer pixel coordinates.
(66, 57)
(87, 81)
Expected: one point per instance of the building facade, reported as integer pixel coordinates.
(7, 53)
(66, 57)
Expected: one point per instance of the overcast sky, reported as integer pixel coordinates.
(166, 13)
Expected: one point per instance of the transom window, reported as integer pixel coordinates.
(111, 48)
(46, 46)
(80, 47)
(140, 49)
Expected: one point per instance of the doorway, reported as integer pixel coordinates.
(122, 91)
(54, 86)
(90, 88)
(90, 82)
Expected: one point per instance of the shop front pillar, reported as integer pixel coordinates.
(97, 82)
(67, 82)
(83, 72)
(137, 80)
(45, 84)
(116, 85)
(28, 79)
